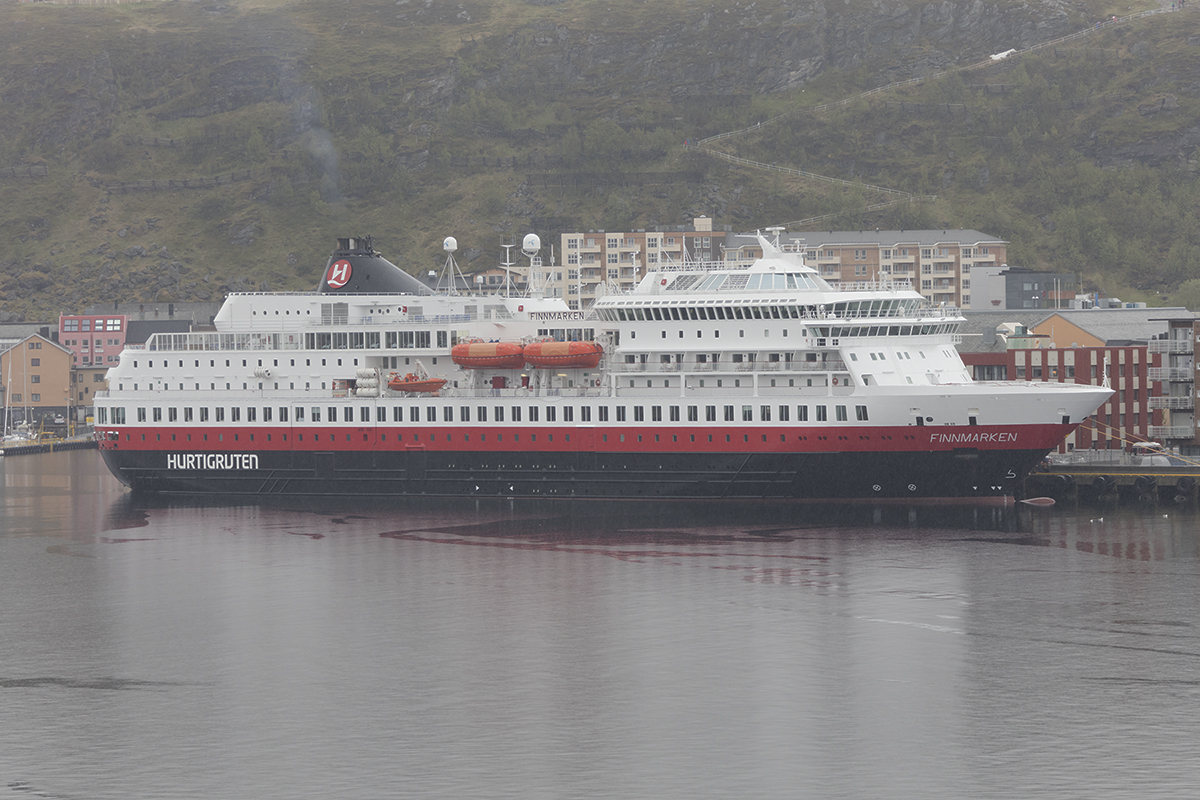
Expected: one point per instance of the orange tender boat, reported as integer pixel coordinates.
(415, 383)
(563, 354)
(488, 355)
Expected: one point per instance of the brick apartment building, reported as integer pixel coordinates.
(1125, 346)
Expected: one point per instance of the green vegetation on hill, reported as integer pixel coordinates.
(296, 121)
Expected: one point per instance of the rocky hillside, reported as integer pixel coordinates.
(179, 150)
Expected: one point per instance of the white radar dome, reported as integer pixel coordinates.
(531, 244)
(450, 244)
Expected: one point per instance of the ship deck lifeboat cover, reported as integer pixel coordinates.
(413, 382)
(478, 354)
(549, 353)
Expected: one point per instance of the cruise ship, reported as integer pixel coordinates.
(709, 381)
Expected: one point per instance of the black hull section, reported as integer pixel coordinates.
(642, 476)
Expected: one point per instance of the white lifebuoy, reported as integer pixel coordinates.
(597, 381)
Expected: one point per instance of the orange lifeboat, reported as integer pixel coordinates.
(563, 354)
(488, 355)
(415, 383)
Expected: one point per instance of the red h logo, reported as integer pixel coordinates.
(338, 274)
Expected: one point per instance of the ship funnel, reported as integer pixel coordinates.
(355, 267)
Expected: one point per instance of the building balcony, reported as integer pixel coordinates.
(1181, 402)
(1170, 346)
(1172, 432)
(1175, 374)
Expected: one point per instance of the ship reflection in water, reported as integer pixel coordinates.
(166, 648)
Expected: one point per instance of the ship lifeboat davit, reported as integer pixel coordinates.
(563, 354)
(415, 383)
(488, 355)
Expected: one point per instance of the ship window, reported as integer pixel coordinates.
(187, 414)
(448, 414)
(710, 413)
(656, 413)
(332, 414)
(620, 413)
(551, 414)
(172, 414)
(481, 411)
(765, 413)
(861, 413)
(585, 413)
(499, 410)
(266, 414)
(747, 413)
(822, 416)
(533, 413)
(841, 413)
(220, 414)
(729, 413)
(516, 413)
(430, 414)
(602, 413)
(235, 414)
(141, 415)
(380, 414)
(283, 414)
(156, 414)
(639, 414)
(300, 414)
(854, 356)
(414, 414)
(464, 413)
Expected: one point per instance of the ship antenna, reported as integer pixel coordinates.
(530, 246)
(450, 271)
(508, 265)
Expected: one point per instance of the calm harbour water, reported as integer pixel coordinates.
(171, 649)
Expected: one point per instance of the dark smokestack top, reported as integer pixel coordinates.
(355, 267)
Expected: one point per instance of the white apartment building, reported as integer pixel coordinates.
(937, 262)
(598, 262)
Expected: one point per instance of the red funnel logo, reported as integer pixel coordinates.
(338, 274)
